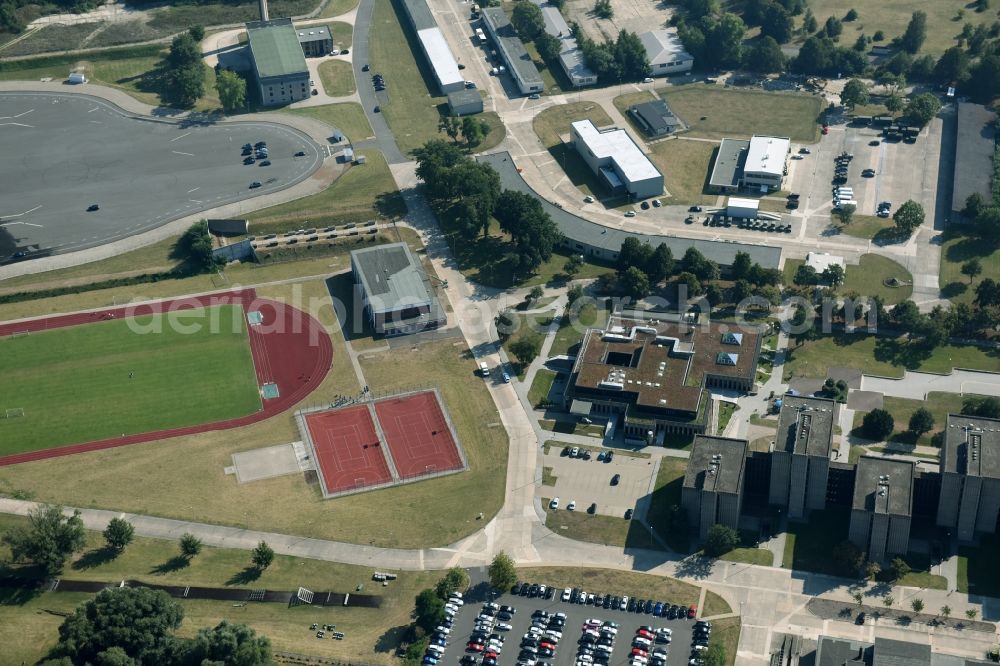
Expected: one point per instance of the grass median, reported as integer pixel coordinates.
(337, 77)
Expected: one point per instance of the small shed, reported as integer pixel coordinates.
(77, 77)
(465, 102)
(743, 208)
(347, 155)
(228, 227)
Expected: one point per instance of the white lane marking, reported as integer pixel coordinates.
(97, 122)
(16, 124)
(96, 108)
(17, 116)
(177, 152)
(193, 189)
(180, 137)
(195, 201)
(26, 224)
(22, 214)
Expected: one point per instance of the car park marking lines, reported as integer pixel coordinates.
(96, 108)
(23, 113)
(182, 136)
(177, 152)
(193, 189)
(17, 125)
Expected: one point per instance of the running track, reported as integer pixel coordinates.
(290, 348)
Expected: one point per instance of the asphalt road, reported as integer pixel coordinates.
(64, 152)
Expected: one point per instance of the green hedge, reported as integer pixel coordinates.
(142, 51)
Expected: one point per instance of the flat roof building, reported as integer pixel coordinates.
(831, 651)
(654, 117)
(882, 507)
(666, 53)
(974, 149)
(742, 208)
(617, 159)
(436, 51)
(521, 67)
(728, 166)
(570, 54)
(764, 166)
(279, 65)
(395, 291)
(655, 372)
(465, 102)
(713, 483)
(800, 461)
(970, 476)
(315, 40)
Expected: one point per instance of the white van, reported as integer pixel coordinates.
(844, 190)
(484, 369)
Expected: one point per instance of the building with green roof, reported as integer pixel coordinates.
(278, 63)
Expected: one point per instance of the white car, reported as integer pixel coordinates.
(455, 595)
(624, 604)
(443, 630)
(570, 507)
(567, 593)
(503, 626)
(648, 79)
(630, 213)
(554, 504)
(592, 622)
(553, 634)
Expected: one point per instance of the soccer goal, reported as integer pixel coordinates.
(13, 412)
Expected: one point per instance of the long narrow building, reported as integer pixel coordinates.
(434, 46)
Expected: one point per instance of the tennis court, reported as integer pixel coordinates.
(419, 435)
(347, 449)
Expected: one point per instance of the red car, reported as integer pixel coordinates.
(692, 611)
(645, 634)
(640, 652)
(490, 655)
(474, 647)
(825, 130)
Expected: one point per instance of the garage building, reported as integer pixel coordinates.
(465, 102)
(279, 65)
(615, 157)
(521, 67)
(654, 117)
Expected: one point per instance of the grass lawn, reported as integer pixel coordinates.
(715, 112)
(184, 477)
(548, 478)
(410, 106)
(727, 632)
(526, 326)
(667, 494)
(27, 632)
(582, 526)
(337, 77)
(181, 377)
(541, 385)
(882, 356)
(685, 165)
(337, 7)
(956, 251)
(726, 411)
(867, 226)
(939, 403)
(759, 556)
(808, 545)
(342, 33)
(496, 134)
(53, 37)
(364, 192)
(621, 582)
(348, 117)
(554, 122)
(867, 278)
(572, 327)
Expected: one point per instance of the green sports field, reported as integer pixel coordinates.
(74, 383)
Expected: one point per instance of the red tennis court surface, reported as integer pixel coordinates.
(347, 449)
(418, 434)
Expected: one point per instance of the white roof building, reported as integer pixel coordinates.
(820, 261)
(441, 60)
(743, 208)
(766, 156)
(665, 53)
(613, 154)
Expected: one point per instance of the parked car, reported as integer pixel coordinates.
(615, 479)
(92, 207)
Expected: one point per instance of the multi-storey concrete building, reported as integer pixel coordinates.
(279, 66)
(970, 476)
(316, 41)
(800, 461)
(712, 493)
(394, 291)
(882, 507)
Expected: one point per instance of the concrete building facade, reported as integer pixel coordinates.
(882, 507)
(522, 68)
(394, 290)
(315, 40)
(800, 461)
(617, 159)
(712, 493)
(970, 476)
(279, 66)
(465, 102)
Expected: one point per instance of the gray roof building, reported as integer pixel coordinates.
(713, 483)
(665, 53)
(570, 55)
(805, 426)
(521, 67)
(315, 40)
(800, 461)
(582, 235)
(974, 150)
(395, 290)
(970, 476)
(883, 652)
(728, 168)
(465, 102)
(882, 506)
(654, 117)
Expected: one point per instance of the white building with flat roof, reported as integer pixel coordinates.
(820, 261)
(742, 208)
(617, 159)
(441, 60)
(764, 167)
(665, 53)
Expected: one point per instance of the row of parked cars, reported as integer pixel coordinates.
(699, 642)
(597, 642)
(634, 605)
(649, 646)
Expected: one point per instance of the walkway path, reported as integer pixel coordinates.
(916, 385)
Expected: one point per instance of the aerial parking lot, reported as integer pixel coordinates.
(79, 172)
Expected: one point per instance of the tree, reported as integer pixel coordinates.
(185, 71)
(983, 83)
(861, 44)
(805, 275)
(946, 611)
(262, 556)
(855, 93)
(720, 540)
(474, 130)
(232, 89)
(715, 655)
(899, 568)
(987, 407)
(725, 41)
(973, 268)
(660, 264)
(451, 126)
(921, 421)
(974, 205)
(194, 247)
(184, 52)
(190, 545)
(916, 33)
(456, 580)
(435, 161)
(848, 558)
(633, 252)
(952, 66)
(809, 24)
(197, 32)
(852, 15)
(922, 109)
(428, 610)
(137, 620)
(526, 348)
(909, 217)
(906, 316)
(846, 213)
(740, 268)
(741, 290)
(548, 46)
(527, 20)
(533, 233)
(858, 597)
(572, 266)
(776, 23)
(765, 57)
(502, 572)
(877, 424)
(574, 293)
(603, 9)
(47, 540)
(697, 264)
(635, 284)
(230, 645)
(922, 68)
(833, 27)
(872, 570)
(833, 275)
(888, 600)
(917, 605)
(118, 534)
(691, 283)
(987, 223)
(971, 613)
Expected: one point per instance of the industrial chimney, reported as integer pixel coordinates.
(263, 10)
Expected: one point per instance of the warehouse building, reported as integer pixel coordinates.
(570, 54)
(651, 375)
(511, 48)
(665, 53)
(713, 483)
(465, 102)
(764, 167)
(395, 292)
(436, 51)
(315, 41)
(654, 117)
(882, 507)
(615, 157)
(800, 461)
(974, 148)
(279, 66)
(970, 476)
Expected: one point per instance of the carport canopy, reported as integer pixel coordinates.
(580, 407)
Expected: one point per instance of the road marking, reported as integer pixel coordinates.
(179, 137)
(96, 108)
(16, 124)
(17, 116)
(177, 152)
(193, 189)
(97, 122)
(195, 201)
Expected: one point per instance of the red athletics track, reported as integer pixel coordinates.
(418, 435)
(347, 449)
(290, 348)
